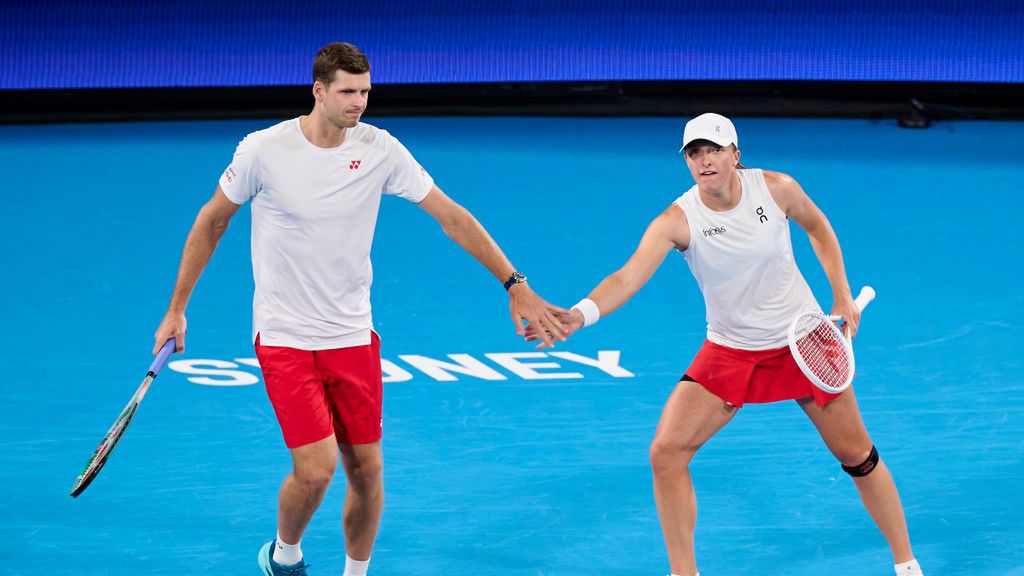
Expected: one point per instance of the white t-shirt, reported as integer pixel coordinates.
(743, 262)
(314, 211)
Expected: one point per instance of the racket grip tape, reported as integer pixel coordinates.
(867, 294)
(162, 356)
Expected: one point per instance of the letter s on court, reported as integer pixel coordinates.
(217, 368)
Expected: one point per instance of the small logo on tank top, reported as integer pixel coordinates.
(714, 231)
(354, 164)
(760, 214)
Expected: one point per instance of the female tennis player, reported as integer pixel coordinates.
(733, 229)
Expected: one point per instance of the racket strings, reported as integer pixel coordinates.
(823, 351)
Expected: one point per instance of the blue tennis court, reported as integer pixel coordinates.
(500, 459)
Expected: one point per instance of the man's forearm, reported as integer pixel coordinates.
(468, 233)
(199, 247)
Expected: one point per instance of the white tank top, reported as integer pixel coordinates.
(743, 262)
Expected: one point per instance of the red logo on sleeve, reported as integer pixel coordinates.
(354, 165)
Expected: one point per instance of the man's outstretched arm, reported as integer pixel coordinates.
(524, 304)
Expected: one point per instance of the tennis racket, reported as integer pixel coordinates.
(113, 436)
(823, 351)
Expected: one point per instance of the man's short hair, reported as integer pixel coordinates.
(338, 56)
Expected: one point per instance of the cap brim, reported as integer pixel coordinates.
(723, 142)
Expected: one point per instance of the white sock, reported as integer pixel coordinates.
(287, 554)
(911, 568)
(356, 567)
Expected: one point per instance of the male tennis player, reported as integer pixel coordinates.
(314, 184)
(732, 228)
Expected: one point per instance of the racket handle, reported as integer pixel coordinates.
(162, 356)
(867, 294)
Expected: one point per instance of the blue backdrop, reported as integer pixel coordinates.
(64, 44)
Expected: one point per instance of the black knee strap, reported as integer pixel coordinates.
(864, 468)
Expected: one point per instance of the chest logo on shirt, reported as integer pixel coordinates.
(760, 213)
(713, 231)
(354, 164)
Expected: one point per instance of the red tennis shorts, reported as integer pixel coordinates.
(754, 376)
(322, 392)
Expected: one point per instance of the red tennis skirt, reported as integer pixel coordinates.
(752, 376)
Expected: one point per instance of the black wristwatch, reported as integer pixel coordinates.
(515, 278)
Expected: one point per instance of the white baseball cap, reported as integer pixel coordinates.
(712, 127)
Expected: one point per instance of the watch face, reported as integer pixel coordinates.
(515, 278)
